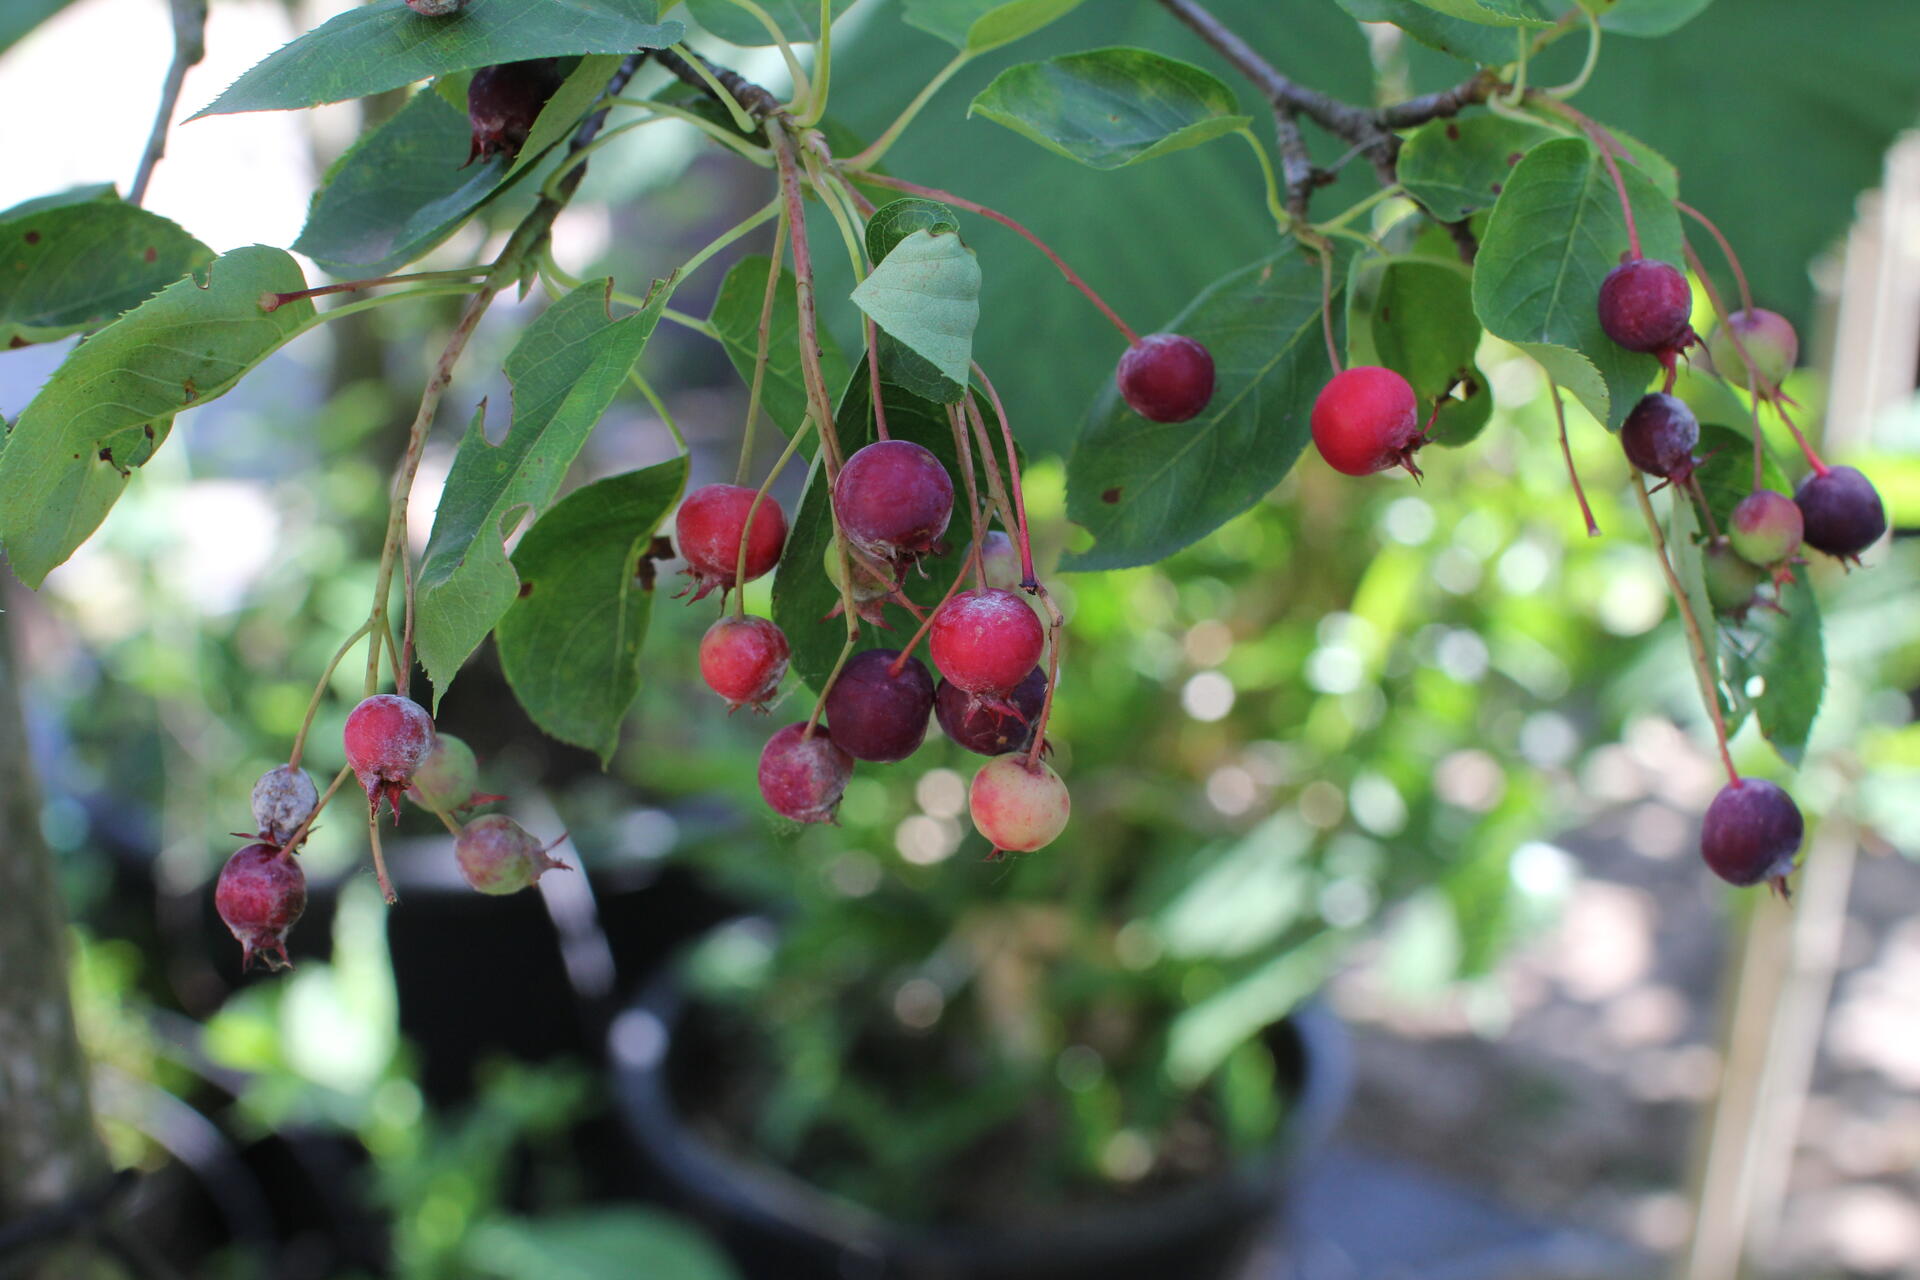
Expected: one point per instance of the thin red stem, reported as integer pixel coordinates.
(873, 380)
(1027, 579)
(899, 664)
(1813, 459)
(1326, 305)
(963, 450)
(274, 301)
(1056, 625)
(810, 370)
(1604, 144)
(1566, 451)
(1696, 639)
(1726, 250)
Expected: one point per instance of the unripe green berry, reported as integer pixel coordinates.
(1731, 581)
(1765, 528)
(447, 778)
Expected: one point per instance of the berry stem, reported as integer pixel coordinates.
(659, 407)
(753, 508)
(404, 661)
(274, 301)
(1326, 304)
(300, 832)
(189, 47)
(763, 340)
(1706, 509)
(1604, 144)
(1027, 579)
(1055, 635)
(1813, 459)
(873, 381)
(1726, 250)
(995, 487)
(971, 206)
(926, 624)
(815, 380)
(320, 692)
(963, 451)
(1566, 451)
(846, 651)
(879, 147)
(1696, 639)
(1759, 447)
(1282, 220)
(721, 94)
(380, 858)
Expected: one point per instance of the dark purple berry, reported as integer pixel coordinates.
(1751, 833)
(990, 730)
(1841, 511)
(503, 102)
(1644, 306)
(1166, 377)
(1659, 436)
(893, 499)
(876, 714)
(260, 894)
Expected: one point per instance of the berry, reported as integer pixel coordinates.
(1766, 527)
(1731, 581)
(986, 641)
(1659, 436)
(503, 102)
(876, 714)
(1769, 341)
(1019, 808)
(260, 894)
(1751, 833)
(1366, 420)
(1166, 377)
(709, 524)
(893, 499)
(1644, 306)
(801, 777)
(987, 729)
(870, 590)
(447, 780)
(742, 659)
(283, 799)
(387, 737)
(436, 8)
(1000, 560)
(1842, 512)
(497, 855)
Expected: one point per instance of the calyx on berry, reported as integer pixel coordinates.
(1841, 512)
(386, 739)
(876, 714)
(260, 894)
(1645, 305)
(893, 499)
(1166, 377)
(283, 799)
(802, 775)
(1018, 807)
(497, 855)
(742, 658)
(504, 100)
(709, 526)
(1751, 833)
(1367, 419)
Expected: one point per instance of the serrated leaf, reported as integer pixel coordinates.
(1471, 41)
(565, 370)
(179, 348)
(926, 294)
(736, 319)
(570, 644)
(400, 190)
(76, 265)
(1146, 489)
(1492, 13)
(1553, 236)
(798, 20)
(383, 45)
(1109, 108)
(567, 107)
(1424, 330)
(1782, 646)
(1645, 17)
(976, 26)
(1455, 167)
(896, 220)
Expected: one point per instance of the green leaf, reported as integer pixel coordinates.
(565, 370)
(1111, 107)
(1492, 13)
(179, 348)
(375, 47)
(593, 1244)
(567, 107)
(404, 187)
(926, 294)
(1202, 1035)
(1783, 649)
(22, 16)
(1147, 489)
(975, 26)
(895, 221)
(736, 319)
(570, 644)
(1454, 167)
(1481, 45)
(90, 193)
(798, 20)
(1553, 237)
(1645, 17)
(1424, 330)
(74, 266)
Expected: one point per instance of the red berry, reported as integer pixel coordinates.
(709, 526)
(260, 894)
(1644, 306)
(387, 737)
(893, 499)
(1751, 832)
(1768, 339)
(742, 659)
(1842, 512)
(1659, 436)
(503, 102)
(1166, 377)
(283, 799)
(497, 855)
(447, 780)
(1766, 527)
(801, 776)
(986, 641)
(987, 729)
(1016, 806)
(876, 714)
(1366, 420)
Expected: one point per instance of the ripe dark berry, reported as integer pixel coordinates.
(1766, 527)
(742, 659)
(1769, 341)
(992, 730)
(1644, 306)
(1659, 436)
(497, 855)
(1842, 512)
(893, 499)
(260, 894)
(1732, 582)
(1019, 808)
(1166, 377)
(447, 780)
(986, 641)
(708, 526)
(801, 777)
(1751, 833)
(875, 714)
(503, 102)
(1366, 420)
(387, 737)
(283, 799)
(1000, 560)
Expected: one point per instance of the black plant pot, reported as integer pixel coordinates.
(780, 1228)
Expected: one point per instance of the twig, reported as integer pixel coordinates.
(189, 46)
(1696, 639)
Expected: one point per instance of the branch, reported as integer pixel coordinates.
(189, 46)
(759, 103)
